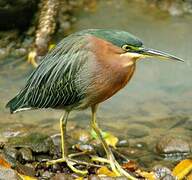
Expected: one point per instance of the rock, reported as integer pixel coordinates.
(47, 175)
(85, 147)
(123, 143)
(80, 135)
(163, 173)
(11, 152)
(62, 176)
(175, 9)
(26, 154)
(6, 173)
(27, 169)
(173, 147)
(37, 142)
(93, 177)
(42, 158)
(20, 52)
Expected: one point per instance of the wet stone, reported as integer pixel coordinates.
(85, 147)
(26, 154)
(28, 169)
(37, 142)
(163, 173)
(47, 175)
(123, 143)
(173, 147)
(11, 152)
(93, 177)
(80, 135)
(62, 176)
(42, 158)
(6, 173)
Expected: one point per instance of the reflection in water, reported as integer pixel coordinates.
(157, 101)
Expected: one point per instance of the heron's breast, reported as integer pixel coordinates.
(108, 82)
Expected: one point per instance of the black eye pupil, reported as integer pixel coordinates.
(126, 47)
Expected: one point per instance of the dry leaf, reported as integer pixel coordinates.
(23, 177)
(147, 175)
(182, 169)
(4, 163)
(110, 139)
(131, 166)
(105, 171)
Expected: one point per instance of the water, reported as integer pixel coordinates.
(158, 100)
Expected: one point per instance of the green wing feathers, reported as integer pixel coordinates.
(57, 80)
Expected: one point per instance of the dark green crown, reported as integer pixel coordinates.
(116, 37)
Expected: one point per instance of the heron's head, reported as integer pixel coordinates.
(131, 46)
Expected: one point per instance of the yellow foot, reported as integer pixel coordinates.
(32, 58)
(70, 163)
(115, 167)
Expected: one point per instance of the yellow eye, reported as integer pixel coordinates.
(126, 47)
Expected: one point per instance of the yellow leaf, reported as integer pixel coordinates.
(147, 175)
(182, 169)
(110, 139)
(79, 178)
(105, 171)
(24, 177)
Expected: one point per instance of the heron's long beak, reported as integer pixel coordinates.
(155, 53)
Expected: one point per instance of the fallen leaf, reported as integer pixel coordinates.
(182, 169)
(110, 139)
(4, 163)
(105, 171)
(24, 177)
(131, 166)
(147, 175)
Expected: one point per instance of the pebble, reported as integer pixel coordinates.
(26, 154)
(164, 173)
(123, 143)
(37, 142)
(80, 135)
(7, 173)
(62, 176)
(173, 146)
(46, 175)
(11, 152)
(84, 147)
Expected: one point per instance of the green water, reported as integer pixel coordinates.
(159, 97)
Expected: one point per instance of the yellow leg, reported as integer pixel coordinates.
(70, 162)
(113, 163)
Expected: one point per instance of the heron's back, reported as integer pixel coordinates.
(60, 81)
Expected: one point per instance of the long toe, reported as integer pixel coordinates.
(70, 163)
(52, 162)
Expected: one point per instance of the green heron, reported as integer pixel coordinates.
(83, 70)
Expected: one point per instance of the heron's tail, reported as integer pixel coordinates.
(18, 103)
